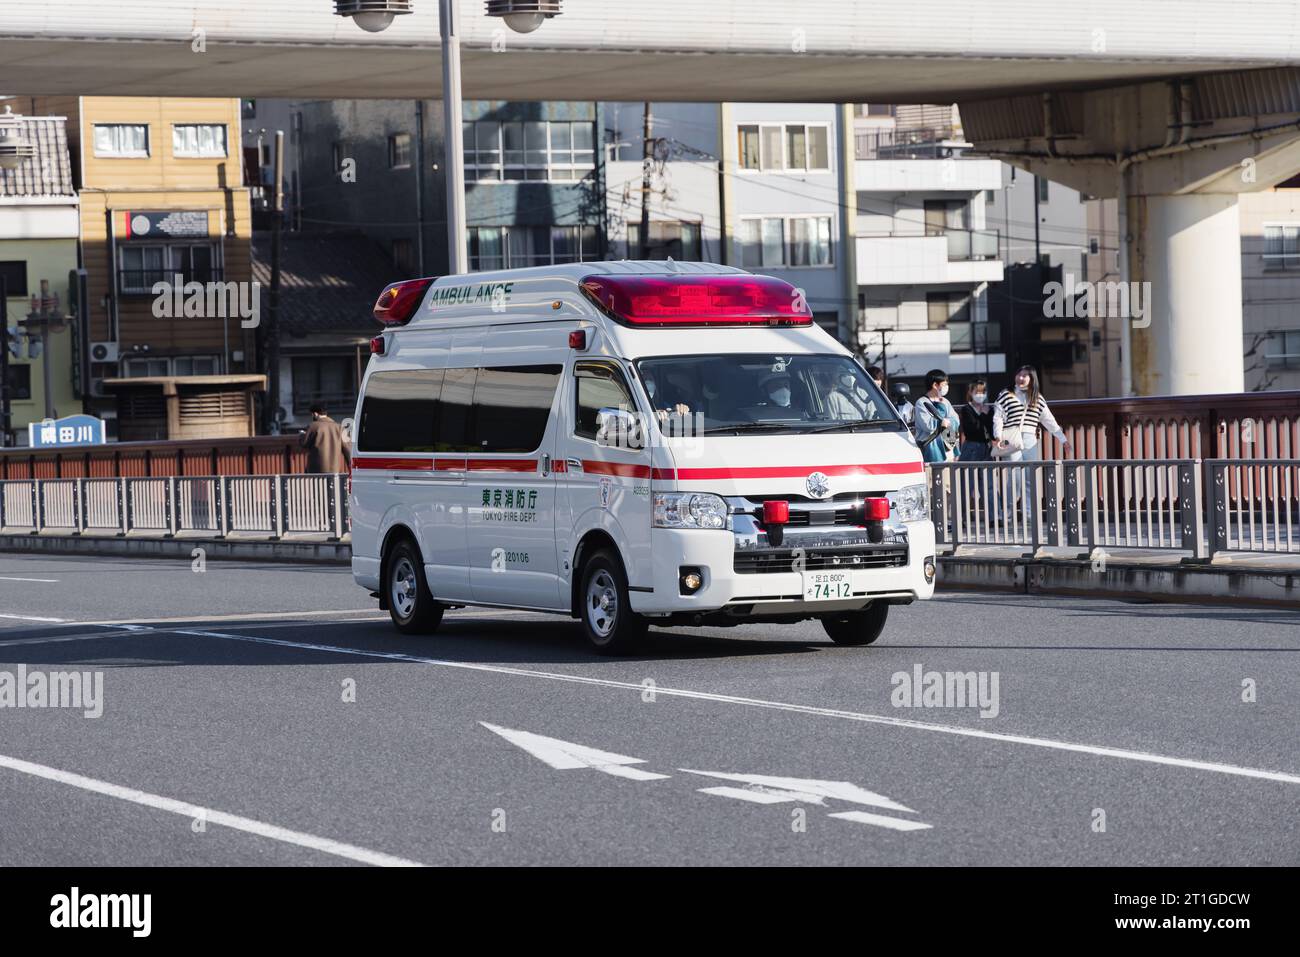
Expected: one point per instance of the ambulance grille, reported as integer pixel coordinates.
(775, 560)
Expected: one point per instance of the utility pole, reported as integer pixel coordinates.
(421, 269)
(272, 338)
(453, 138)
(4, 364)
(647, 157)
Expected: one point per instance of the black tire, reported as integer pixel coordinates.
(609, 623)
(860, 627)
(410, 603)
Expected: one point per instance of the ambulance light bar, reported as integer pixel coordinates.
(739, 300)
(399, 300)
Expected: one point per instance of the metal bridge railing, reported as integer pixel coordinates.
(1199, 508)
(247, 506)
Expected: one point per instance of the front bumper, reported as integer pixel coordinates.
(754, 594)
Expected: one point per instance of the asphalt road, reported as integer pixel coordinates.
(227, 735)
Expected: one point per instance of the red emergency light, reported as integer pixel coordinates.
(776, 512)
(399, 300)
(875, 509)
(738, 300)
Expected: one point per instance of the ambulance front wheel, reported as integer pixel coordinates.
(410, 603)
(607, 618)
(860, 627)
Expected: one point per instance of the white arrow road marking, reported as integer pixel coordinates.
(565, 755)
(807, 790)
(893, 823)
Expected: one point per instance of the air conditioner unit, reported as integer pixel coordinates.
(103, 352)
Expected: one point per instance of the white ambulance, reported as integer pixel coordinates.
(630, 444)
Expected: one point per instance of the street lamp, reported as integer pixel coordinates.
(522, 16)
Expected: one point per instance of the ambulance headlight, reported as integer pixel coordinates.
(911, 504)
(689, 510)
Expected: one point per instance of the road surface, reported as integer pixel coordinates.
(270, 714)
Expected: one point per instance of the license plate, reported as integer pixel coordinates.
(825, 586)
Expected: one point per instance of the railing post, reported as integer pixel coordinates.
(1216, 507)
(223, 503)
(79, 506)
(1052, 488)
(278, 492)
(1191, 501)
(126, 505)
(38, 506)
(952, 490)
(1073, 518)
(1030, 492)
(937, 505)
(171, 506)
(336, 506)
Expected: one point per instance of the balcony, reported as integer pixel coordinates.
(956, 256)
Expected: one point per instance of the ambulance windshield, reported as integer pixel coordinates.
(737, 394)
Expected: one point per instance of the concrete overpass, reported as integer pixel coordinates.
(1175, 106)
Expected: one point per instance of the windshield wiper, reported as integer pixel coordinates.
(860, 423)
(741, 427)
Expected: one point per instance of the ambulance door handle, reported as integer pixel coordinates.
(546, 464)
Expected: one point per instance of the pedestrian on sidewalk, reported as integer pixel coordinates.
(326, 445)
(936, 419)
(1017, 414)
(976, 423)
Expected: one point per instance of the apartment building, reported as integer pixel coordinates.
(162, 196)
(38, 257)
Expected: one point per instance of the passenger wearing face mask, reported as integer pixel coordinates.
(844, 401)
(777, 390)
(936, 419)
(976, 423)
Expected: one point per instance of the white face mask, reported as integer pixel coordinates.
(979, 397)
(943, 389)
(846, 381)
(650, 387)
(780, 396)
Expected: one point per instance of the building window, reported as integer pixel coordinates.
(798, 147)
(328, 380)
(140, 265)
(785, 241)
(196, 365)
(20, 380)
(948, 309)
(14, 272)
(514, 151)
(121, 139)
(404, 256)
(1284, 350)
(139, 367)
(678, 241)
(1044, 189)
(1281, 246)
(512, 247)
(199, 139)
(399, 151)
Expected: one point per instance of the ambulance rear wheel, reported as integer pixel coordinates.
(410, 603)
(608, 621)
(860, 627)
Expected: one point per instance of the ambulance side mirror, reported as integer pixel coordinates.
(619, 428)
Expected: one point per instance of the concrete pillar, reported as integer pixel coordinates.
(1188, 247)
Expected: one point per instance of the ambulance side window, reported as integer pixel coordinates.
(598, 386)
(400, 411)
(512, 405)
(455, 413)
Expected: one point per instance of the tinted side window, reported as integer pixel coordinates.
(399, 411)
(598, 387)
(511, 406)
(455, 418)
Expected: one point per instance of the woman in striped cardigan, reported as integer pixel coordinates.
(1023, 410)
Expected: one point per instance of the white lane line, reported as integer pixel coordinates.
(1125, 754)
(58, 621)
(880, 820)
(248, 825)
(56, 639)
(47, 581)
(263, 616)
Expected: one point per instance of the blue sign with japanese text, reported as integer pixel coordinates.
(70, 430)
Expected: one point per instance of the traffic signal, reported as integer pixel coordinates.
(14, 341)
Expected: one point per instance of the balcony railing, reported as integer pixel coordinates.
(964, 244)
(975, 337)
(890, 144)
(140, 282)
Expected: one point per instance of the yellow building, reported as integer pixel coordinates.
(165, 237)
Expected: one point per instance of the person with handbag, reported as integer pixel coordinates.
(935, 420)
(1017, 415)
